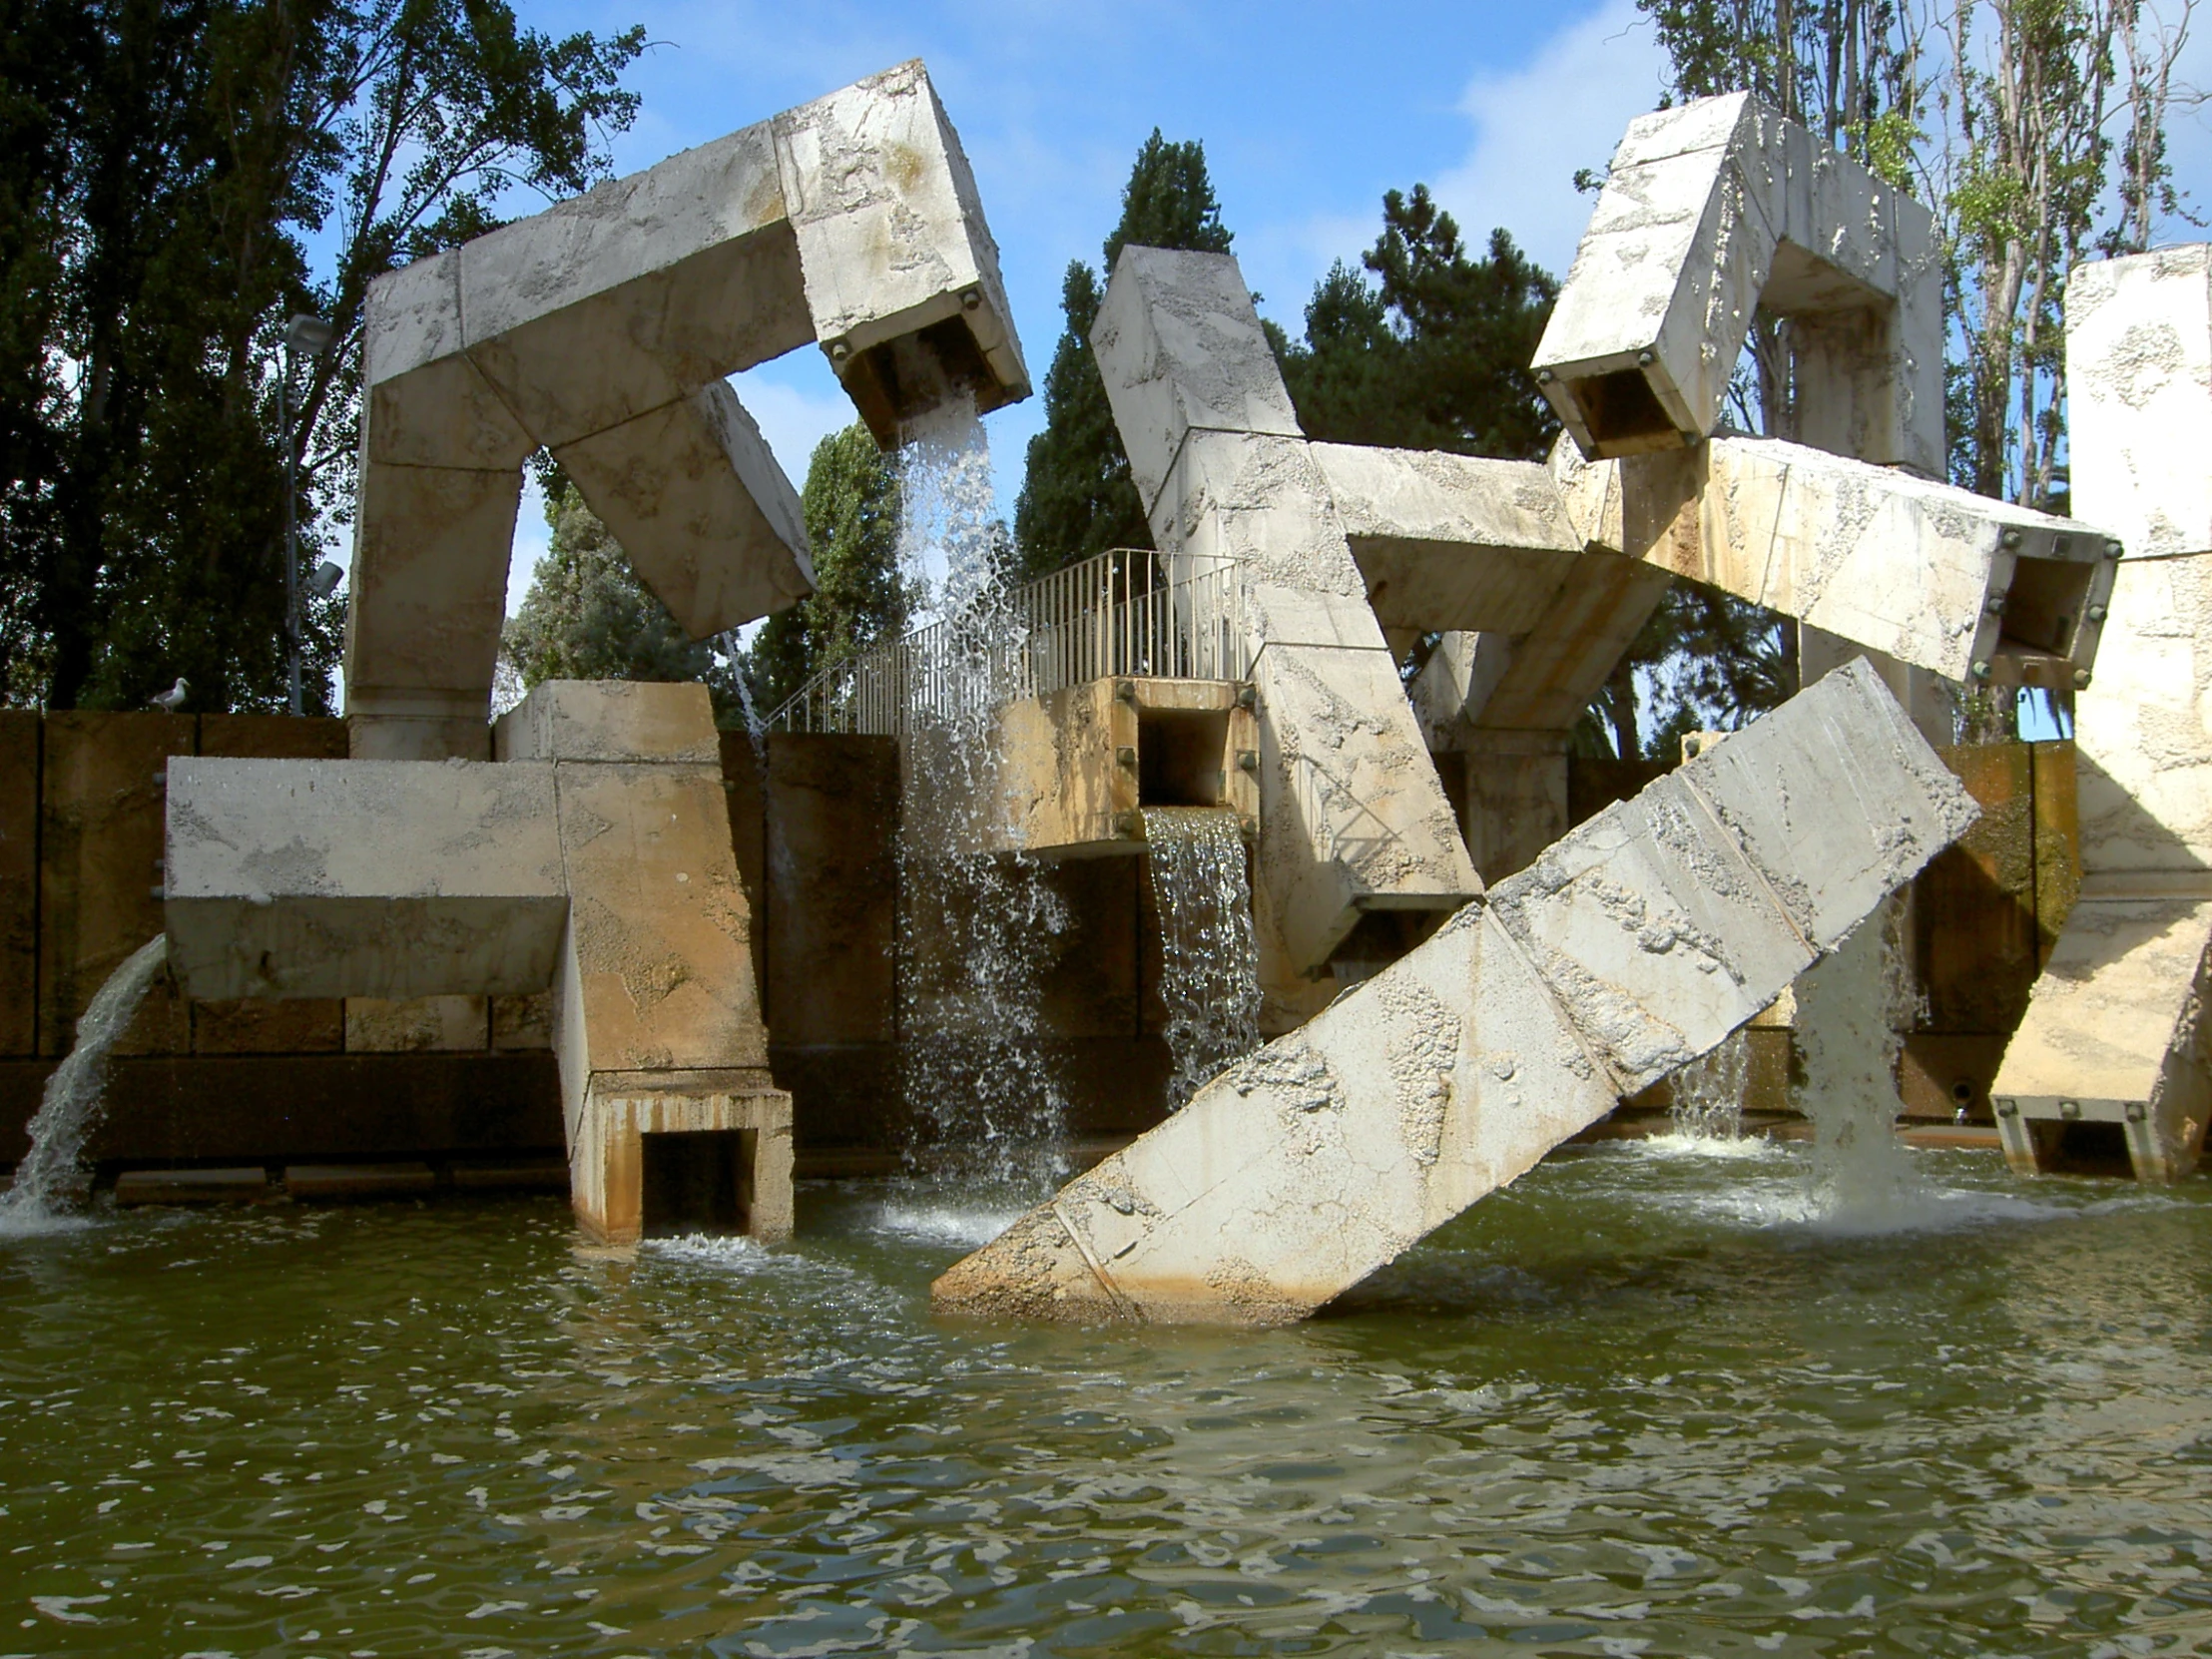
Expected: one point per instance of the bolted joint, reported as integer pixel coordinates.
(1543, 376)
(2097, 613)
(839, 351)
(1248, 826)
(971, 299)
(1125, 690)
(1128, 822)
(2136, 1113)
(1125, 756)
(1247, 698)
(2009, 1108)
(1644, 359)
(1248, 760)
(1996, 606)
(2112, 549)
(2081, 679)
(2010, 538)
(2069, 1109)
(1980, 670)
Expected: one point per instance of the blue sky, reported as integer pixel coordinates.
(1309, 113)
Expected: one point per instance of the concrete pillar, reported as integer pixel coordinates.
(2114, 1027)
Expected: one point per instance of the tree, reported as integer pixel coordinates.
(174, 163)
(860, 597)
(588, 617)
(1434, 353)
(1076, 497)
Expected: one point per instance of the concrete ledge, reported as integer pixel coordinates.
(193, 1186)
(326, 1181)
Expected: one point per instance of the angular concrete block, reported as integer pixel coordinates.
(603, 328)
(1182, 348)
(703, 510)
(341, 1181)
(2140, 396)
(1629, 947)
(629, 720)
(1710, 211)
(417, 1025)
(361, 878)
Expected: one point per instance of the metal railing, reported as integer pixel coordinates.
(1128, 612)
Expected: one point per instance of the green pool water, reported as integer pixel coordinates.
(1635, 1404)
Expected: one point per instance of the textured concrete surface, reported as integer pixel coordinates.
(593, 860)
(1711, 211)
(1352, 815)
(601, 329)
(2114, 1028)
(1631, 946)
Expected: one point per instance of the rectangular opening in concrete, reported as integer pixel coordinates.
(2043, 606)
(697, 1181)
(1621, 407)
(2081, 1147)
(1181, 757)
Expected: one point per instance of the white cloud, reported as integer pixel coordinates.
(1534, 126)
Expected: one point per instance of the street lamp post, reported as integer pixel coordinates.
(311, 334)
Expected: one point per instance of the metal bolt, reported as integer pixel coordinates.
(1543, 376)
(971, 299)
(1248, 760)
(1128, 823)
(2069, 1109)
(1125, 756)
(2081, 679)
(1982, 668)
(839, 351)
(2011, 538)
(1247, 697)
(1995, 607)
(2135, 1111)
(2061, 545)
(2009, 1108)
(1247, 828)
(1125, 690)
(2112, 549)
(2096, 613)
(1644, 359)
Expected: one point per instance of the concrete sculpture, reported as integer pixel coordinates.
(2114, 1030)
(1635, 945)
(585, 848)
(591, 858)
(601, 329)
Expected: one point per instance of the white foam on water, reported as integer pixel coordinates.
(1737, 1149)
(966, 1226)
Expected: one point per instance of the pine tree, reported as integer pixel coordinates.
(1434, 352)
(588, 617)
(1076, 497)
(859, 599)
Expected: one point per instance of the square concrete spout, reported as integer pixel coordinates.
(1630, 948)
(603, 329)
(1711, 211)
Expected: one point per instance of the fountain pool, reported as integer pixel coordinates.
(1633, 1404)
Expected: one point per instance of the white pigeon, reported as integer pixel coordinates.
(169, 701)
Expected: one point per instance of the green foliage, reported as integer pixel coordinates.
(861, 598)
(588, 617)
(1076, 497)
(1435, 353)
(164, 170)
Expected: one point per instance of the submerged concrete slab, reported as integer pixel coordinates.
(2115, 1026)
(603, 329)
(193, 1186)
(1635, 945)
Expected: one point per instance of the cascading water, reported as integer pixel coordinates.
(975, 928)
(49, 1175)
(1708, 1104)
(1848, 1017)
(1209, 968)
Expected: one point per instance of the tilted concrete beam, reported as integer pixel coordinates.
(1711, 211)
(601, 329)
(1635, 945)
(2114, 1030)
(1353, 818)
(592, 859)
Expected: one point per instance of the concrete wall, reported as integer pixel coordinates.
(815, 831)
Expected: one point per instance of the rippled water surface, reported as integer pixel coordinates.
(1632, 1405)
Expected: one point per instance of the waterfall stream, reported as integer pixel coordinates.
(1210, 978)
(1707, 1102)
(1849, 1008)
(976, 928)
(49, 1175)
